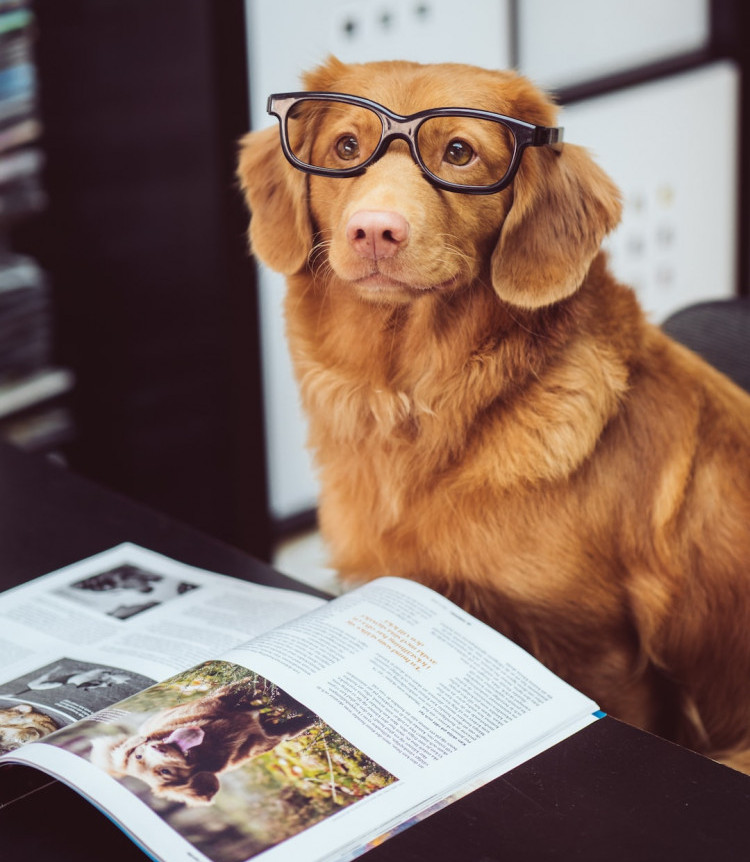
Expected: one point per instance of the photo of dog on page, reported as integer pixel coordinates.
(229, 760)
(489, 410)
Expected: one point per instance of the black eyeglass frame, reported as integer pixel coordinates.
(397, 126)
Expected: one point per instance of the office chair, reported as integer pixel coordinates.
(719, 331)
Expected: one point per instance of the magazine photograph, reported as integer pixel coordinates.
(230, 761)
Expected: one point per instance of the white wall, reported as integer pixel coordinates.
(566, 42)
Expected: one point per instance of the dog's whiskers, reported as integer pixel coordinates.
(318, 256)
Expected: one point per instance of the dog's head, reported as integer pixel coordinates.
(164, 764)
(392, 234)
(21, 724)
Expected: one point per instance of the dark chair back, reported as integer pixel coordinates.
(719, 331)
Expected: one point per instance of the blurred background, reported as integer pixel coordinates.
(141, 346)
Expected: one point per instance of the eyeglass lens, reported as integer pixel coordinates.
(340, 136)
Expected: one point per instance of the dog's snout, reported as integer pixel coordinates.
(377, 234)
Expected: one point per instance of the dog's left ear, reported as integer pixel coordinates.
(563, 206)
(276, 193)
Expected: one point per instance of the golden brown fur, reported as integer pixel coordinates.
(492, 415)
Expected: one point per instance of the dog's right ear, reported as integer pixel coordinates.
(276, 193)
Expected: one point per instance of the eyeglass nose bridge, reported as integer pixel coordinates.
(397, 129)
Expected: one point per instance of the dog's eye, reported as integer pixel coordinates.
(347, 147)
(458, 152)
(165, 771)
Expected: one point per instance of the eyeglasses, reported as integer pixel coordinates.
(459, 149)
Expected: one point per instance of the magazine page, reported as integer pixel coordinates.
(79, 639)
(438, 700)
(320, 736)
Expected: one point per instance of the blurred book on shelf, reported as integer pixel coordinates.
(21, 190)
(32, 390)
(25, 317)
(33, 411)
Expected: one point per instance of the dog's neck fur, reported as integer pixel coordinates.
(398, 369)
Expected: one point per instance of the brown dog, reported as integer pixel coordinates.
(180, 752)
(490, 412)
(22, 723)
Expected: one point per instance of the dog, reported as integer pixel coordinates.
(490, 411)
(180, 752)
(23, 723)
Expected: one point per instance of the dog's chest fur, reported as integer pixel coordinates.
(414, 410)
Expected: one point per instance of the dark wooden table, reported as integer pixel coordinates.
(610, 792)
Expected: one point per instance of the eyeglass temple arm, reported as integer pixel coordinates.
(548, 136)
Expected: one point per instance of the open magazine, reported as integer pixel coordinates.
(215, 719)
